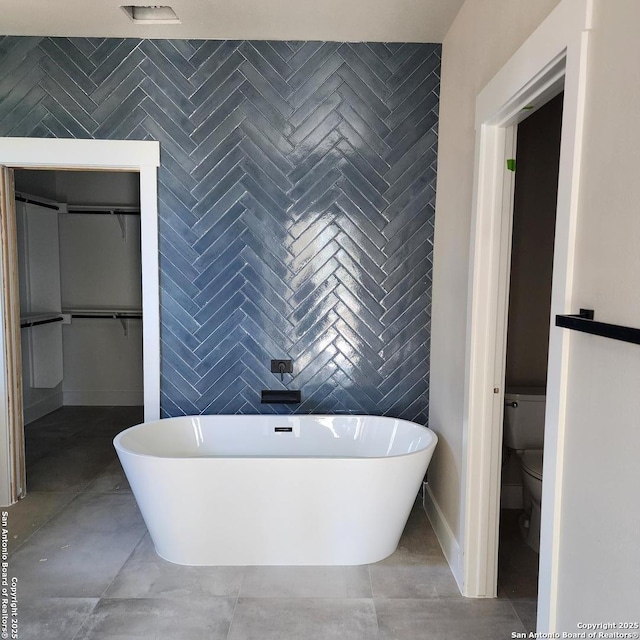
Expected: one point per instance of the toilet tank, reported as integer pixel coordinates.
(524, 418)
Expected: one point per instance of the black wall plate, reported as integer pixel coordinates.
(270, 396)
(277, 364)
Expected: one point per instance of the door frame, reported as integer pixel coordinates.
(98, 155)
(553, 58)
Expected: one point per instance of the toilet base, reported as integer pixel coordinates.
(530, 528)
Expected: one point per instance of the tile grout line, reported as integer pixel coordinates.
(53, 515)
(373, 601)
(102, 596)
(235, 604)
(524, 626)
(84, 622)
(137, 544)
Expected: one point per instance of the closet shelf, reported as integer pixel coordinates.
(103, 209)
(29, 320)
(119, 313)
(116, 212)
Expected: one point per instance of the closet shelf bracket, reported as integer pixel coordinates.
(123, 315)
(125, 326)
(123, 226)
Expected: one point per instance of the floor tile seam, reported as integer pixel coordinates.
(422, 560)
(375, 611)
(86, 620)
(302, 598)
(524, 626)
(235, 606)
(191, 597)
(185, 598)
(305, 597)
(107, 493)
(93, 479)
(137, 544)
(492, 618)
(422, 599)
(370, 581)
(434, 598)
(74, 496)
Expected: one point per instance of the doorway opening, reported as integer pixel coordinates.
(142, 157)
(553, 59)
(529, 319)
(79, 272)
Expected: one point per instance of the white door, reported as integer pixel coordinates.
(13, 474)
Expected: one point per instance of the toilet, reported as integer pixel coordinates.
(524, 433)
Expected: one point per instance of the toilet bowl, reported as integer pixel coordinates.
(531, 466)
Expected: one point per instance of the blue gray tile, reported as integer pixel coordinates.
(296, 201)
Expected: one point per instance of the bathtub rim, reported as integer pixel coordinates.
(429, 448)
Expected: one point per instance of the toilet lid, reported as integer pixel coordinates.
(532, 463)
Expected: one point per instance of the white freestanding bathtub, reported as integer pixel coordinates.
(275, 490)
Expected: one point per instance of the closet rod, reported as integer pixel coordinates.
(117, 316)
(106, 212)
(27, 325)
(46, 205)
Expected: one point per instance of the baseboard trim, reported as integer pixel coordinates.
(103, 397)
(446, 538)
(42, 408)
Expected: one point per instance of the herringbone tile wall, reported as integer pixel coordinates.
(296, 203)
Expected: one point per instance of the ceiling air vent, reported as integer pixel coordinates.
(153, 14)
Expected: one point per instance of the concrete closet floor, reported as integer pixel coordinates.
(86, 567)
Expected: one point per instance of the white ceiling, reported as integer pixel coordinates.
(337, 20)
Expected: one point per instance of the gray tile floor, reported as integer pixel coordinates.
(87, 570)
(517, 569)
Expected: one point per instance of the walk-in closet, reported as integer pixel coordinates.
(79, 266)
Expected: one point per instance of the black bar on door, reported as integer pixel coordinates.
(585, 323)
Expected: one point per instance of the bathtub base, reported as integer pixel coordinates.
(238, 510)
(251, 512)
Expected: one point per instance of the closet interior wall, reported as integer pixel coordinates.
(100, 269)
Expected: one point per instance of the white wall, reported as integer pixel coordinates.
(482, 38)
(353, 21)
(98, 268)
(36, 182)
(102, 365)
(36, 402)
(44, 296)
(112, 188)
(599, 554)
(599, 545)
